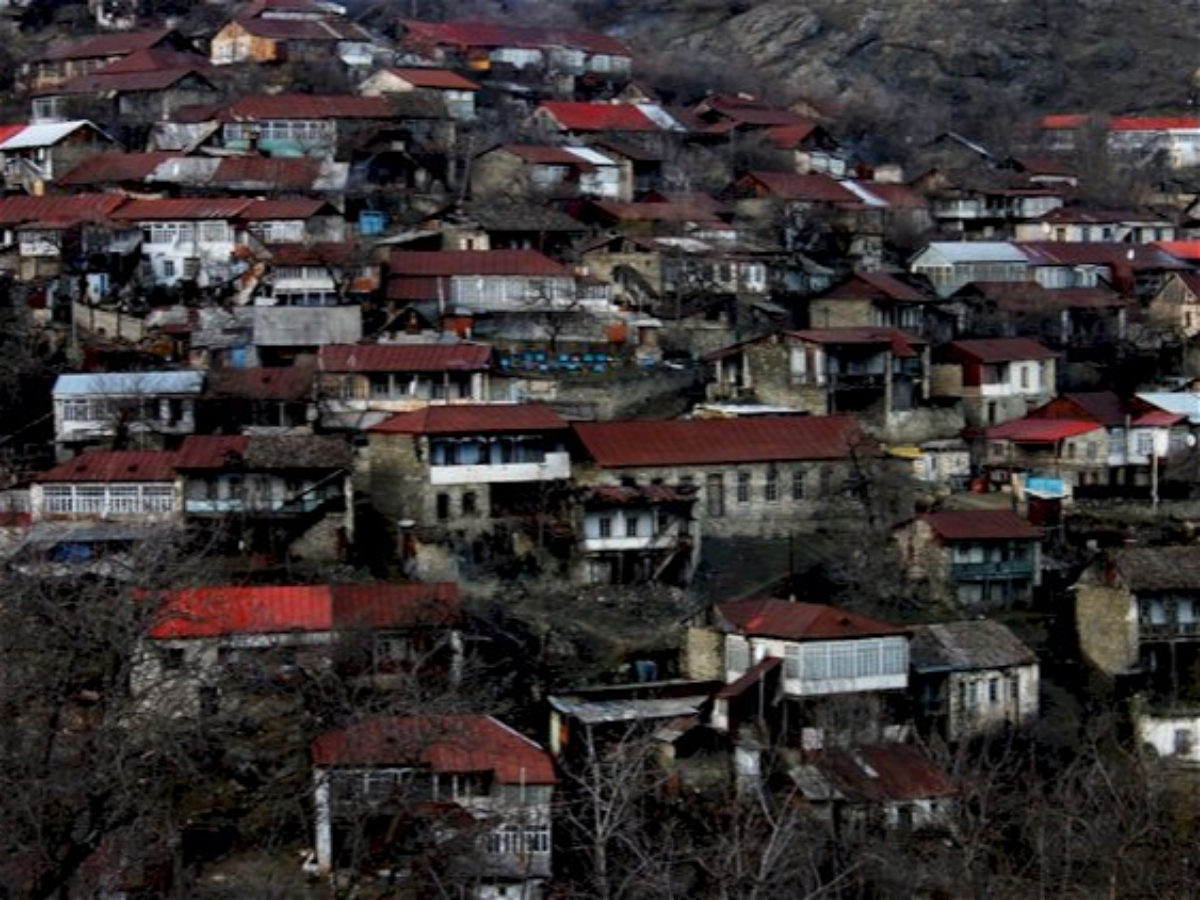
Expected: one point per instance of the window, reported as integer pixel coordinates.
(972, 693)
(168, 268)
(737, 654)
(771, 488)
(1145, 443)
(714, 495)
(1183, 742)
(792, 664)
(443, 506)
(743, 487)
(993, 692)
(172, 658)
(470, 504)
(797, 485)
(605, 526)
(631, 526)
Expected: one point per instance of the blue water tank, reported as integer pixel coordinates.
(371, 221)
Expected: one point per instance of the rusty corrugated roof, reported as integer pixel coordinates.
(181, 209)
(796, 621)
(980, 525)
(475, 418)
(115, 465)
(404, 357)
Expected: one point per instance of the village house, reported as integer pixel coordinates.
(294, 221)
(63, 62)
(499, 224)
(501, 50)
(360, 385)
(880, 374)
(458, 93)
(304, 31)
(468, 469)
(45, 237)
(468, 787)
(1085, 225)
(1135, 270)
(152, 410)
(813, 675)
(988, 558)
(870, 789)
(972, 678)
(949, 265)
(990, 213)
(1176, 306)
(638, 534)
(286, 495)
(559, 172)
(582, 121)
(214, 648)
(996, 379)
(758, 476)
(879, 300)
(1067, 317)
(186, 240)
(1093, 440)
(35, 155)
(256, 400)
(131, 486)
(317, 125)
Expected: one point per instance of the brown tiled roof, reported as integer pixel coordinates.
(446, 744)
(966, 646)
(474, 418)
(404, 357)
(794, 621)
(115, 465)
(715, 441)
(1159, 568)
(980, 525)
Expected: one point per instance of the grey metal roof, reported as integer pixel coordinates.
(977, 251)
(595, 712)
(127, 384)
(968, 645)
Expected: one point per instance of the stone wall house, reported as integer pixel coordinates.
(997, 379)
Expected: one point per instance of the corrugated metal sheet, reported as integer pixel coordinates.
(582, 116)
(886, 773)
(1041, 431)
(718, 441)
(446, 744)
(966, 646)
(989, 350)
(475, 262)
(768, 617)
(109, 168)
(170, 210)
(115, 465)
(293, 208)
(105, 45)
(480, 418)
(128, 384)
(815, 187)
(44, 134)
(980, 525)
(261, 107)
(64, 210)
(442, 79)
(404, 358)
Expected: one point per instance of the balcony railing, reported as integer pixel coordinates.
(1013, 568)
(1169, 630)
(552, 467)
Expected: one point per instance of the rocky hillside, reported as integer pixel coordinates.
(939, 62)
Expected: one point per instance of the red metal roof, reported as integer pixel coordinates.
(1153, 123)
(108, 168)
(813, 187)
(285, 383)
(19, 209)
(210, 451)
(789, 136)
(404, 357)
(105, 45)
(10, 131)
(980, 525)
(115, 465)
(261, 107)
(1102, 407)
(1188, 250)
(901, 342)
(442, 79)
(886, 773)
(541, 154)
(581, 116)
(990, 350)
(715, 441)
(293, 208)
(466, 34)
(223, 610)
(896, 195)
(300, 173)
(1041, 431)
(1065, 121)
(475, 262)
(326, 30)
(167, 210)
(447, 744)
(876, 286)
(474, 418)
(795, 621)
(1099, 253)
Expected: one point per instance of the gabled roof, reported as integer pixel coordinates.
(319, 30)
(458, 744)
(220, 611)
(128, 82)
(886, 773)
(901, 342)
(288, 208)
(542, 154)
(966, 646)
(1186, 250)
(992, 350)
(795, 621)
(104, 45)
(474, 418)
(813, 187)
(1103, 407)
(980, 525)
(1082, 215)
(115, 465)
(748, 439)
(581, 116)
(111, 168)
(439, 79)
(47, 134)
(955, 252)
(875, 286)
(404, 357)
(446, 263)
(264, 107)
(1159, 568)
(1133, 257)
(182, 209)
